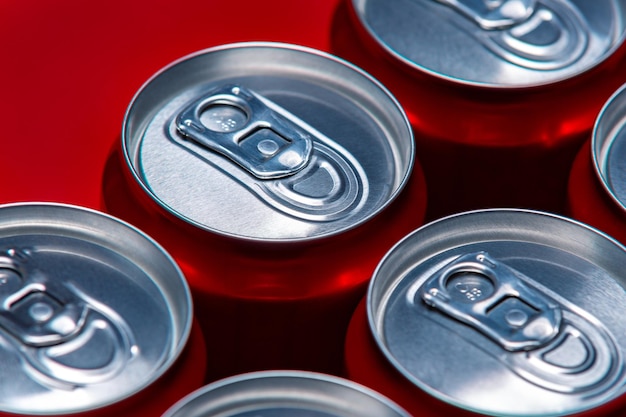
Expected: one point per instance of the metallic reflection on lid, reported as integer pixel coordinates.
(548, 340)
(268, 142)
(295, 169)
(609, 147)
(505, 312)
(503, 43)
(285, 394)
(91, 310)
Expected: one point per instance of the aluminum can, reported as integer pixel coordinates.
(500, 312)
(500, 94)
(95, 318)
(277, 176)
(283, 394)
(597, 184)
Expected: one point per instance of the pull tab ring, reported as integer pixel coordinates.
(56, 328)
(576, 355)
(537, 34)
(234, 122)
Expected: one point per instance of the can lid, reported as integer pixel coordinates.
(526, 309)
(496, 43)
(285, 394)
(92, 310)
(609, 147)
(269, 142)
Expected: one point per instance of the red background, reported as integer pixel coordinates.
(69, 68)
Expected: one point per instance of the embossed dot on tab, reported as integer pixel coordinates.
(516, 318)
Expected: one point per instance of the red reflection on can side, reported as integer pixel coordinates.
(268, 305)
(487, 147)
(588, 200)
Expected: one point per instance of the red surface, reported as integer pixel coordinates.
(258, 313)
(589, 201)
(270, 306)
(69, 68)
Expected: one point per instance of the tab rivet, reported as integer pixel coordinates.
(41, 312)
(267, 147)
(515, 9)
(516, 318)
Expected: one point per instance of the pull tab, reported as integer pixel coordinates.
(67, 338)
(537, 34)
(494, 14)
(324, 182)
(234, 122)
(545, 340)
(487, 295)
(30, 312)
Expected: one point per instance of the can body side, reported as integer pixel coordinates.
(264, 306)
(365, 364)
(588, 201)
(483, 146)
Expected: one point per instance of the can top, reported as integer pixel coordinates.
(609, 147)
(496, 43)
(92, 310)
(268, 142)
(526, 309)
(285, 394)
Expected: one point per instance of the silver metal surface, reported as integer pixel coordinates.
(92, 310)
(262, 142)
(494, 14)
(609, 147)
(466, 307)
(285, 394)
(488, 295)
(361, 157)
(497, 43)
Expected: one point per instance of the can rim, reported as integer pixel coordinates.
(185, 329)
(305, 376)
(402, 182)
(460, 81)
(372, 310)
(602, 141)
